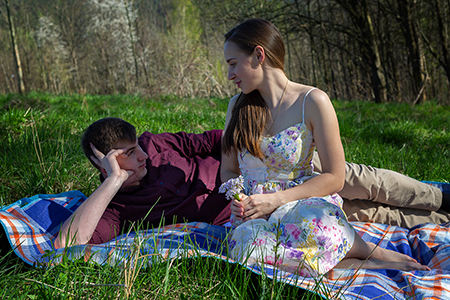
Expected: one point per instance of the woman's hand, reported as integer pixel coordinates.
(255, 206)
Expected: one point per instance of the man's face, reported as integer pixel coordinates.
(133, 159)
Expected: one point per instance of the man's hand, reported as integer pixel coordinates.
(108, 163)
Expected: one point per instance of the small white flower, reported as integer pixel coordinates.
(232, 188)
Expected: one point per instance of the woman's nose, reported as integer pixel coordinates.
(230, 75)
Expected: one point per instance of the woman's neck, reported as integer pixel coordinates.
(273, 87)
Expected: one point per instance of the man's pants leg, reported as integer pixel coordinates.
(388, 197)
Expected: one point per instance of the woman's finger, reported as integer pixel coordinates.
(244, 200)
(252, 214)
(236, 210)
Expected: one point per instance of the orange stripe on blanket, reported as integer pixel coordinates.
(431, 240)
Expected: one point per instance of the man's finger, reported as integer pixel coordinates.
(96, 160)
(97, 153)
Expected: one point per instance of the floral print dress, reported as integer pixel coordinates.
(308, 236)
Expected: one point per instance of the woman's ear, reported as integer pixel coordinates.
(260, 54)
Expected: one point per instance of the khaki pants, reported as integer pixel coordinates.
(387, 197)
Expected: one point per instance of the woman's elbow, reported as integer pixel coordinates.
(340, 184)
(335, 182)
(339, 180)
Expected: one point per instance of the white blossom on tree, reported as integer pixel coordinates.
(112, 29)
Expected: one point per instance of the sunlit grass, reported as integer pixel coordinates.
(40, 136)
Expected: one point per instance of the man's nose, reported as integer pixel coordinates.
(143, 155)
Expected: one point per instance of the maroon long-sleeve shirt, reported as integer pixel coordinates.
(181, 185)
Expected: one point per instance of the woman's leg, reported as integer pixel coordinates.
(369, 256)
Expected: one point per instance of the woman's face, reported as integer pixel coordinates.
(243, 69)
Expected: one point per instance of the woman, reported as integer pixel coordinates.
(291, 217)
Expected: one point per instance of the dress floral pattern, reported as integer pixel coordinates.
(308, 236)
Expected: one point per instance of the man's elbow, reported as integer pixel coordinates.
(57, 243)
(64, 241)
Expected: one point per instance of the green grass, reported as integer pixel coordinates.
(39, 139)
(413, 140)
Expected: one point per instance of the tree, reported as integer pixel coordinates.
(364, 31)
(441, 14)
(18, 63)
(73, 21)
(407, 20)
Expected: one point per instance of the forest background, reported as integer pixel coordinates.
(377, 50)
(146, 60)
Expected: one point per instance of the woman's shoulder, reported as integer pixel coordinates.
(234, 98)
(233, 101)
(311, 101)
(307, 94)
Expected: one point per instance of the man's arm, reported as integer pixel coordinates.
(79, 227)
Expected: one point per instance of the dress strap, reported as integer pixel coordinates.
(304, 101)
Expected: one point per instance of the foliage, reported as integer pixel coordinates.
(395, 51)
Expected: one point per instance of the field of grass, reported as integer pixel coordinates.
(39, 139)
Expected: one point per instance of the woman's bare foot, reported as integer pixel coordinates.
(373, 263)
(388, 255)
(367, 255)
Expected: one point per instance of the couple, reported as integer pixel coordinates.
(272, 129)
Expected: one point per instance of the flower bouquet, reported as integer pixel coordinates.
(232, 188)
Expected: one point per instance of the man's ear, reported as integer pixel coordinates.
(103, 171)
(260, 54)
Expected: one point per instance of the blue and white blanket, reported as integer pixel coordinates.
(32, 223)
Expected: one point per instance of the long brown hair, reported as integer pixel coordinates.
(250, 112)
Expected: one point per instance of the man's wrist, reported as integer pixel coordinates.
(114, 181)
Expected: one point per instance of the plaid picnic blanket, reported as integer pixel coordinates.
(31, 224)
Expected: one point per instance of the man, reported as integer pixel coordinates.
(169, 175)
(174, 177)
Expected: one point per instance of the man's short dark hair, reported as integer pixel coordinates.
(104, 134)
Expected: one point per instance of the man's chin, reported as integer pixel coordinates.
(129, 186)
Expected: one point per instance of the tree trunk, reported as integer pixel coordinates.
(133, 48)
(360, 15)
(445, 61)
(20, 84)
(416, 56)
(378, 79)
